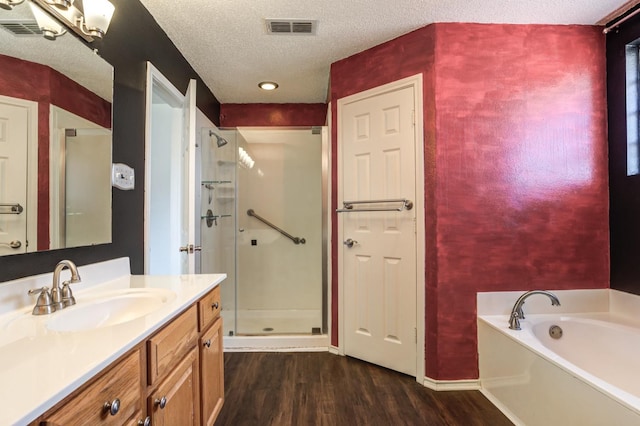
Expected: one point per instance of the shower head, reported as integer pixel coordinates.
(220, 141)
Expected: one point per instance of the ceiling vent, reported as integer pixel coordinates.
(22, 28)
(291, 27)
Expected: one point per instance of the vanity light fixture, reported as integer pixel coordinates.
(51, 28)
(61, 4)
(90, 22)
(268, 85)
(8, 4)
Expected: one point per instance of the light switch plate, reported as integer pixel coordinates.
(122, 176)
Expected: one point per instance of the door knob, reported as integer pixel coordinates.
(349, 242)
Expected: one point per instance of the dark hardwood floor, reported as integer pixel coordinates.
(325, 389)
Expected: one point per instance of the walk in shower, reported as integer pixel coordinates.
(263, 222)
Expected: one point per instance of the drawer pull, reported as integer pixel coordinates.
(208, 343)
(215, 305)
(162, 402)
(145, 422)
(112, 407)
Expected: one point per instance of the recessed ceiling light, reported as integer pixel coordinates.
(268, 85)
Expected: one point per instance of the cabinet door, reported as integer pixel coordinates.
(175, 401)
(212, 372)
(121, 382)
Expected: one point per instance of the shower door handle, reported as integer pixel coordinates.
(349, 242)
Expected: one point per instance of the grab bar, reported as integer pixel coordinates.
(295, 240)
(13, 208)
(348, 206)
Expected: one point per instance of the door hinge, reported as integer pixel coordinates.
(415, 334)
(413, 117)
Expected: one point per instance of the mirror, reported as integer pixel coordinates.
(55, 139)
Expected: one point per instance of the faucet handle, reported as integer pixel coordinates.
(67, 294)
(44, 304)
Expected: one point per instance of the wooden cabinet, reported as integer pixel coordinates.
(211, 373)
(114, 398)
(178, 371)
(175, 401)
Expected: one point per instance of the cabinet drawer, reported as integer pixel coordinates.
(209, 308)
(169, 345)
(121, 382)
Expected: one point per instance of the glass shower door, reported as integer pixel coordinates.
(218, 215)
(279, 239)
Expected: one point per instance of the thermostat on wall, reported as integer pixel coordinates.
(122, 176)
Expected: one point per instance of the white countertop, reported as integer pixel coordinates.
(39, 367)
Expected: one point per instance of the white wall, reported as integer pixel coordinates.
(165, 172)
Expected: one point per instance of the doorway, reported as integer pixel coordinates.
(169, 177)
(381, 226)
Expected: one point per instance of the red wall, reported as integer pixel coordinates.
(39, 83)
(235, 115)
(517, 176)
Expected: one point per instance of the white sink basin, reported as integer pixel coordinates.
(109, 309)
(93, 310)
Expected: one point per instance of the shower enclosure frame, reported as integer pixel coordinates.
(324, 232)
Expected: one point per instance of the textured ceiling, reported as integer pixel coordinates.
(226, 42)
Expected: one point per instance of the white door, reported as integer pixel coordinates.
(13, 178)
(378, 143)
(188, 156)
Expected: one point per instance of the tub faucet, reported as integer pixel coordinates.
(517, 314)
(63, 297)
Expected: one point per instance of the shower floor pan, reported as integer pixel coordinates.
(272, 322)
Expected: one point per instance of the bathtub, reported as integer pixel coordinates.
(588, 376)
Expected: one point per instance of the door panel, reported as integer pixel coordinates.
(13, 176)
(379, 270)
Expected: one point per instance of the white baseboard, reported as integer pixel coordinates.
(451, 385)
(276, 343)
(334, 350)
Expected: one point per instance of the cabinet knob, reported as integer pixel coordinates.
(162, 402)
(112, 407)
(145, 422)
(208, 343)
(215, 305)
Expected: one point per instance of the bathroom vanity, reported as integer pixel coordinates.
(134, 350)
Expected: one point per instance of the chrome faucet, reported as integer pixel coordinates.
(517, 314)
(49, 302)
(62, 298)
